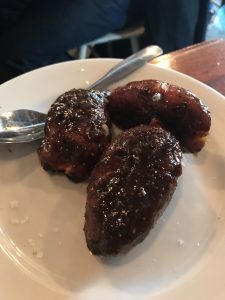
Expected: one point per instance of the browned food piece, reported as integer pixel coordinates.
(76, 133)
(180, 110)
(130, 187)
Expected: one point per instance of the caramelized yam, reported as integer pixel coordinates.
(181, 111)
(77, 131)
(130, 187)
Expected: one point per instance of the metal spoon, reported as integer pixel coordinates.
(23, 125)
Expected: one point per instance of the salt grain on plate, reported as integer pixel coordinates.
(14, 204)
(56, 229)
(180, 242)
(25, 220)
(31, 242)
(15, 221)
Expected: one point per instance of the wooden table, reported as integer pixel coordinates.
(204, 61)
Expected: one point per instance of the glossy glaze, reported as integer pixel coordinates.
(77, 131)
(130, 187)
(181, 111)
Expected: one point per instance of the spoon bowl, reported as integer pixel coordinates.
(22, 125)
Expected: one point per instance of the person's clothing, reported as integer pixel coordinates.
(35, 33)
(38, 33)
(175, 24)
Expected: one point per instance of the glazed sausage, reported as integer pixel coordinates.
(77, 131)
(130, 187)
(181, 111)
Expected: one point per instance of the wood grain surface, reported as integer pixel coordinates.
(204, 61)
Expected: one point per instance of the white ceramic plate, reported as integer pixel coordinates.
(44, 255)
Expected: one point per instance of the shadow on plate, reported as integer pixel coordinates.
(212, 164)
(17, 151)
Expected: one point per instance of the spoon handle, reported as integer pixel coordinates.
(127, 66)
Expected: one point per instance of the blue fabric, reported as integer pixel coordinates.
(174, 24)
(38, 33)
(35, 33)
